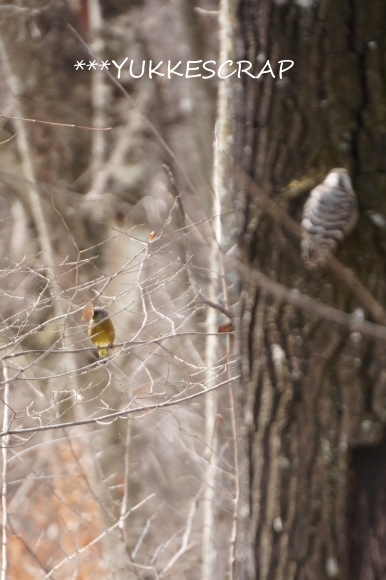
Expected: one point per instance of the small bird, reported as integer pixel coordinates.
(330, 214)
(100, 330)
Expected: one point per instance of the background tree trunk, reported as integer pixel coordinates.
(312, 392)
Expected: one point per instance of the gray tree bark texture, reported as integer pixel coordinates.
(312, 400)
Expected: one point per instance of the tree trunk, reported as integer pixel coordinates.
(312, 391)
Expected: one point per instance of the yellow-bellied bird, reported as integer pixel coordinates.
(100, 330)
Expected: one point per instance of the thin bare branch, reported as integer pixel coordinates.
(71, 126)
(116, 415)
(96, 540)
(188, 253)
(186, 537)
(4, 488)
(352, 322)
(27, 547)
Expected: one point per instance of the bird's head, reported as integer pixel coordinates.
(99, 314)
(339, 177)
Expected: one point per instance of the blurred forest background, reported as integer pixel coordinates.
(153, 465)
(90, 216)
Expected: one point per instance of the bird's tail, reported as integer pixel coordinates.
(103, 352)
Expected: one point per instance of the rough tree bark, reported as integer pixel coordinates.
(312, 402)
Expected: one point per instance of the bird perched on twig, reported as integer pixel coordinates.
(100, 330)
(329, 216)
